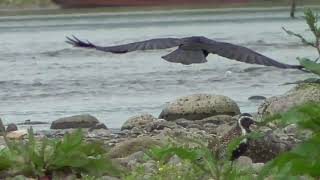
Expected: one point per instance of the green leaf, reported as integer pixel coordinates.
(312, 20)
(310, 65)
(307, 116)
(234, 143)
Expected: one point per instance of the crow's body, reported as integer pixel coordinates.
(190, 50)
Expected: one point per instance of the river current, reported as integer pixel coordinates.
(42, 78)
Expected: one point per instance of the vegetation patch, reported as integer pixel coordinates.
(303, 86)
(312, 20)
(45, 157)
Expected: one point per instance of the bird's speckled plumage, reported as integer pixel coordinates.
(190, 50)
(241, 129)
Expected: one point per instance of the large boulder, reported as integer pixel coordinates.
(78, 121)
(138, 121)
(302, 93)
(199, 106)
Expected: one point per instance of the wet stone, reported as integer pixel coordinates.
(11, 127)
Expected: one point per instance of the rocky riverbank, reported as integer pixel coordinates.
(199, 117)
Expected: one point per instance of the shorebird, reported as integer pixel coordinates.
(191, 50)
(241, 129)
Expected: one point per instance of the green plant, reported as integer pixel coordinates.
(202, 162)
(79, 156)
(304, 159)
(6, 161)
(42, 157)
(312, 22)
(28, 157)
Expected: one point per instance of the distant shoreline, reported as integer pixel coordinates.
(50, 8)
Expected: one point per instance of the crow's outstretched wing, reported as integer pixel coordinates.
(160, 43)
(243, 54)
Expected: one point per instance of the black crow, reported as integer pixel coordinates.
(190, 50)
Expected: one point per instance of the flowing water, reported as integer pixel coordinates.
(42, 78)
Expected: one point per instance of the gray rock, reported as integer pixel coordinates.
(2, 127)
(223, 129)
(132, 160)
(78, 121)
(149, 167)
(184, 122)
(138, 121)
(291, 129)
(174, 160)
(98, 133)
(29, 122)
(130, 146)
(136, 130)
(99, 126)
(209, 124)
(264, 129)
(160, 124)
(257, 167)
(267, 147)
(190, 137)
(199, 106)
(210, 128)
(218, 120)
(244, 162)
(302, 93)
(11, 127)
(257, 98)
(196, 126)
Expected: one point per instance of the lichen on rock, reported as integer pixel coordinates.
(302, 93)
(199, 106)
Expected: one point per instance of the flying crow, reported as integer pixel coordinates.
(190, 50)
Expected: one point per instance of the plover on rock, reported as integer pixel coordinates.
(241, 129)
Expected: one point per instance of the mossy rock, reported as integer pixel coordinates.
(305, 86)
(199, 106)
(302, 93)
(138, 121)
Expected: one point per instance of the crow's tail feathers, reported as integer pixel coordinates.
(185, 57)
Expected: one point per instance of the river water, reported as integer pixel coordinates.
(42, 78)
